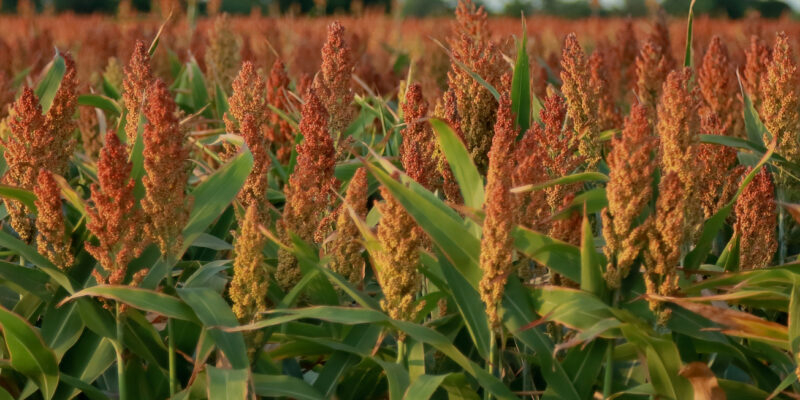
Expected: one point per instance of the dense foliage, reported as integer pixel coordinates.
(369, 208)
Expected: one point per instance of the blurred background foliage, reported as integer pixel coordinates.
(421, 8)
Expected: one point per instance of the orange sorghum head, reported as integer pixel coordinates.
(714, 164)
(52, 240)
(497, 243)
(248, 96)
(582, 98)
(629, 190)
(138, 77)
(652, 67)
(24, 147)
(248, 288)
(757, 57)
(678, 125)
(608, 115)
(779, 98)
(333, 82)
(279, 131)
(346, 247)
(308, 192)
(222, 53)
(447, 111)
(718, 86)
(418, 145)
(475, 104)
(756, 217)
(59, 123)
(113, 216)
(167, 166)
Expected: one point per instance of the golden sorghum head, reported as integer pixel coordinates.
(629, 190)
(248, 288)
(678, 126)
(582, 98)
(608, 115)
(248, 107)
(627, 49)
(333, 82)
(418, 146)
(222, 54)
(308, 192)
(757, 57)
(279, 131)
(497, 243)
(560, 144)
(665, 234)
(531, 158)
(346, 246)
(6, 93)
(779, 98)
(138, 77)
(113, 216)
(52, 240)
(24, 149)
(756, 217)
(719, 88)
(660, 36)
(652, 67)
(400, 240)
(167, 164)
(475, 104)
(59, 123)
(114, 73)
(447, 111)
(91, 140)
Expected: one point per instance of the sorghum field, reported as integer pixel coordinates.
(371, 208)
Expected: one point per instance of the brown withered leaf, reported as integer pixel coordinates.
(704, 383)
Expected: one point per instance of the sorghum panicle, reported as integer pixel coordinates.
(665, 236)
(248, 288)
(582, 98)
(652, 68)
(222, 54)
(59, 123)
(310, 186)
(333, 83)
(629, 190)
(757, 57)
(475, 104)
(114, 218)
(138, 77)
(24, 149)
(718, 86)
(497, 244)
(248, 106)
(400, 240)
(167, 166)
(418, 146)
(756, 217)
(279, 131)
(52, 240)
(714, 165)
(447, 111)
(779, 99)
(346, 246)
(608, 115)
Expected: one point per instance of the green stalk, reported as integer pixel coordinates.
(781, 227)
(491, 363)
(401, 352)
(608, 377)
(121, 382)
(173, 379)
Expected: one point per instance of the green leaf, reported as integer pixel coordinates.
(48, 86)
(215, 193)
(663, 363)
(23, 279)
(564, 180)
(424, 387)
(469, 179)
(99, 101)
(284, 386)
(227, 384)
(470, 306)
(61, 328)
(361, 338)
(559, 256)
(213, 312)
(687, 59)
(794, 319)
(521, 84)
(591, 272)
(24, 196)
(29, 355)
(755, 129)
(30, 254)
(142, 299)
(198, 89)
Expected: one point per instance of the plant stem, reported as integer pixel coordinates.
(491, 363)
(173, 379)
(401, 351)
(608, 378)
(121, 382)
(781, 227)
